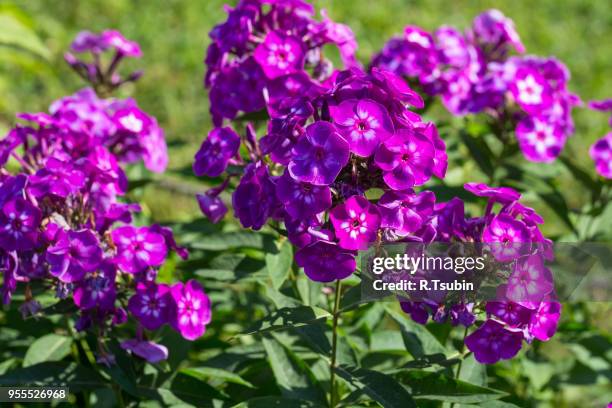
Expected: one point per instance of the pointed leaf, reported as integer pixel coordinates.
(293, 376)
(382, 388)
(51, 347)
(289, 317)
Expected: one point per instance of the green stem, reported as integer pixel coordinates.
(332, 367)
(458, 372)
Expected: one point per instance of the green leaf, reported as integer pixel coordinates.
(382, 388)
(60, 373)
(194, 391)
(555, 200)
(293, 376)
(418, 340)
(51, 347)
(472, 371)
(279, 264)
(280, 402)
(289, 317)
(232, 240)
(480, 151)
(438, 387)
(580, 174)
(15, 34)
(216, 373)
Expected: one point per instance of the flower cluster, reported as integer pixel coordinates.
(267, 51)
(601, 150)
(343, 159)
(62, 223)
(472, 73)
(319, 157)
(524, 308)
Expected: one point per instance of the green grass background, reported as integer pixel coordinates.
(173, 36)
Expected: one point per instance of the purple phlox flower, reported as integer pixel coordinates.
(507, 238)
(193, 309)
(452, 47)
(219, 147)
(150, 351)
(406, 159)
(503, 195)
(83, 323)
(295, 85)
(325, 261)
(281, 138)
(155, 150)
(363, 123)
(457, 92)
(449, 219)
(114, 39)
(8, 266)
(279, 54)
(13, 139)
(152, 304)
(168, 235)
(138, 248)
(19, 223)
(84, 114)
(510, 313)
(234, 33)
(130, 119)
(29, 308)
(12, 187)
(493, 28)
(531, 280)
(32, 265)
(295, 110)
(102, 167)
(300, 199)
(319, 156)
(139, 136)
(397, 87)
(461, 313)
(254, 199)
(87, 41)
(492, 342)
(545, 320)
(74, 254)
(341, 35)
(97, 289)
(305, 231)
(605, 105)
(440, 159)
(601, 153)
(237, 88)
(119, 316)
(404, 211)
(114, 213)
(531, 91)
(58, 178)
(418, 37)
(212, 206)
(418, 311)
(539, 140)
(356, 222)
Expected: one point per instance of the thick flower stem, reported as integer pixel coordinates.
(332, 367)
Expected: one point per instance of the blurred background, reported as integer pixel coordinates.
(174, 35)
